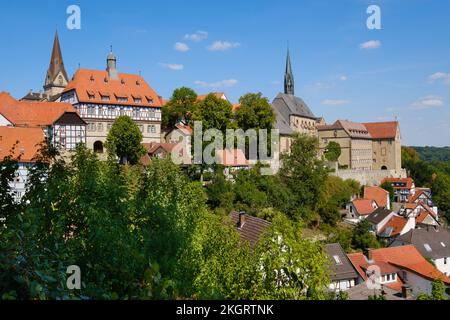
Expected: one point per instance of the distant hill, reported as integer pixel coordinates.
(433, 153)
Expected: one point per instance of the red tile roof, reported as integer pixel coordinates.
(232, 158)
(98, 82)
(184, 128)
(397, 224)
(154, 146)
(29, 113)
(364, 206)
(416, 195)
(407, 257)
(409, 182)
(382, 130)
(28, 142)
(378, 194)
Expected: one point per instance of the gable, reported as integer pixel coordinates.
(4, 121)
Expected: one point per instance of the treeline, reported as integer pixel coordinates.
(430, 154)
(140, 234)
(434, 174)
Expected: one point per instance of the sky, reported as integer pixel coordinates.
(342, 69)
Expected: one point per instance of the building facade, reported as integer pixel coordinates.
(386, 145)
(355, 141)
(101, 97)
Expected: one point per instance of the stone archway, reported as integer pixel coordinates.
(384, 168)
(98, 147)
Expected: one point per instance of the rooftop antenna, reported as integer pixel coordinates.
(111, 48)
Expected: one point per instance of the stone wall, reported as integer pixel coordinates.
(369, 177)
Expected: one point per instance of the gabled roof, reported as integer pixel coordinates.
(378, 194)
(409, 258)
(289, 105)
(27, 113)
(437, 238)
(252, 228)
(185, 129)
(393, 227)
(379, 215)
(151, 148)
(353, 129)
(340, 266)
(382, 130)
(417, 194)
(219, 95)
(364, 206)
(132, 86)
(28, 142)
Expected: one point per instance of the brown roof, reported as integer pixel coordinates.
(98, 81)
(382, 130)
(32, 113)
(364, 206)
(378, 194)
(217, 94)
(154, 146)
(341, 269)
(56, 61)
(28, 142)
(252, 228)
(353, 129)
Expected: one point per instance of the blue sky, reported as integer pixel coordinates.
(403, 71)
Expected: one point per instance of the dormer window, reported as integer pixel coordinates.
(91, 79)
(106, 80)
(105, 96)
(138, 83)
(149, 100)
(122, 82)
(137, 98)
(91, 94)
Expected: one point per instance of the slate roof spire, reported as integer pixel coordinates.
(288, 76)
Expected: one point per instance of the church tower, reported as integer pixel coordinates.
(56, 79)
(288, 76)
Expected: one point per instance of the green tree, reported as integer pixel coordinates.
(180, 107)
(389, 188)
(304, 173)
(124, 141)
(291, 268)
(333, 151)
(255, 112)
(362, 238)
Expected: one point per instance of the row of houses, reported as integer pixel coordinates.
(404, 270)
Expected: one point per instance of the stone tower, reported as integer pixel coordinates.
(111, 66)
(56, 79)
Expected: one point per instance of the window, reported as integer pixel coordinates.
(141, 127)
(108, 126)
(443, 244)
(100, 127)
(151, 128)
(445, 260)
(91, 97)
(427, 247)
(337, 259)
(137, 100)
(105, 98)
(122, 99)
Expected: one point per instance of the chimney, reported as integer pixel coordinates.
(241, 220)
(406, 292)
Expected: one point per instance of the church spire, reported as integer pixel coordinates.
(57, 77)
(288, 76)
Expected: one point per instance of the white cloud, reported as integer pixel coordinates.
(223, 83)
(343, 78)
(223, 45)
(331, 102)
(428, 103)
(441, 77)
(197, 36)
(180, 46)
(172, 66)
(369, 45)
